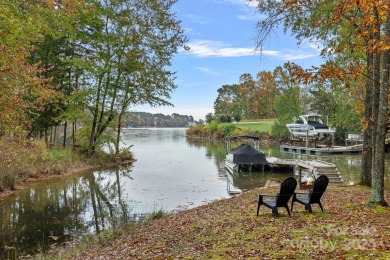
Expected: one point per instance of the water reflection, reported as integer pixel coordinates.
(55, 212)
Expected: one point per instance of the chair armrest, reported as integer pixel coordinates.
(268, 195)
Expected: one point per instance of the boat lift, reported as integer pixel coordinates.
(255, 139)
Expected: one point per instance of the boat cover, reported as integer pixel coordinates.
(315, 124)
(246, 154)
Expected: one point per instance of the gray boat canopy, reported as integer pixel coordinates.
(246, 154)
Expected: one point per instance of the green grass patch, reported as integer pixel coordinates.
(261, 125)
(380, 210)
(157, 214)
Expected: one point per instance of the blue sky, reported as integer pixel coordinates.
(221, 36)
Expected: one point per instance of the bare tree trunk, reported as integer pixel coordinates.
(55, 134)
(51, 135)
(74, 134)
(118, 133)
(366, 169)
(377, 190)
(65, 129)
(375, 98)
(46, 138)
(92, 144)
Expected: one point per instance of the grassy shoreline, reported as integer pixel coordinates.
(24, 161)
(219, 131)
(230, 229)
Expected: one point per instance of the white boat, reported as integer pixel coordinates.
(309, 125)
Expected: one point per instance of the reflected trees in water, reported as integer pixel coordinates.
(57, 212)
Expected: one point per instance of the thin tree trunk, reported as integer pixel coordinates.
(55, 134)
(65, 129)
(118, 134)
(74, 134)
(46, 138)
(365, 175)
(91, 148)
(120, 117)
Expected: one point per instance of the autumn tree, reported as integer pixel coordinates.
(288, 104)
(33, 37)
(249, 99)
(354, 35)
(266, 92)
(21, 87)
(56, 55)
(246, 90)
(228, 101)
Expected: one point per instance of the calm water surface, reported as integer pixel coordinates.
(169, 174)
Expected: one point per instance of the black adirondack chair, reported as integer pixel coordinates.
(313, 196)
(287, 188)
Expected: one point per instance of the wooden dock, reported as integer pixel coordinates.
(354, 149)
(316, 167)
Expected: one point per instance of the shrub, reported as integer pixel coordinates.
(280, 131)
(157, 215)
(7, 181)
(225, 130)
(212, 127)
(237, 117)
(224, 119)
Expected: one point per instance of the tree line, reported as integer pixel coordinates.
(82, 63)
(144, 119)
(278, 94)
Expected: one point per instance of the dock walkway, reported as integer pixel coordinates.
(353, 149)
(317, 167)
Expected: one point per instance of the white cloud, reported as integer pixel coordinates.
(207, 49)
(316, 46)
(208, 71)
(307, 51)
(242, 2)
(248, 9)
(297, 56)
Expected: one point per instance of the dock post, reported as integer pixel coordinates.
(307, 136)
(332, 140)
(299, 176)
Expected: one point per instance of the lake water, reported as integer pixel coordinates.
(170, 174)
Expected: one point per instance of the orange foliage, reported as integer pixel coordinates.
(364, 18)
(22, 87)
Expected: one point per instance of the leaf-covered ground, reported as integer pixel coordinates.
(230, 229)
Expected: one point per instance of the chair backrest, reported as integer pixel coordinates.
(319, 188)
(287, 188)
